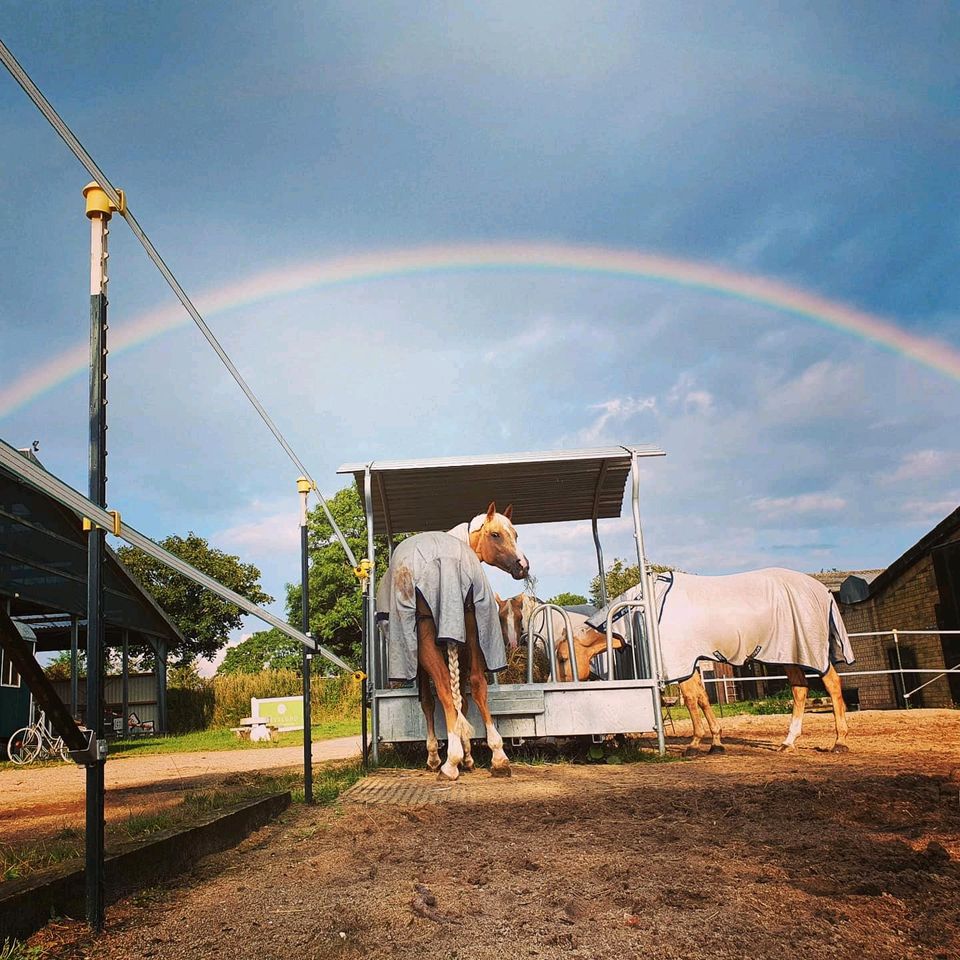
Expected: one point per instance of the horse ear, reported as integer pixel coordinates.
(496, 597)
(492, 509)
(508, 513)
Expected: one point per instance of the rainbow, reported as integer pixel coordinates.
(599, 261)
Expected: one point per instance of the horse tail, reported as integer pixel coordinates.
(462, 728)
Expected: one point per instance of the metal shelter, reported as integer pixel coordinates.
(406, 496)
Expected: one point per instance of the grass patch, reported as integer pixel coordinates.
(209, 741)
(329, 781)
(15, 950)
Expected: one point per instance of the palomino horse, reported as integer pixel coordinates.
(772, 616)
(435, 592)
(516, 614)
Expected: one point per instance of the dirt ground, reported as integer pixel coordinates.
(40, 801)
(747, 854)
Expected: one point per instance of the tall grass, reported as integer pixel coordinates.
(332, 698)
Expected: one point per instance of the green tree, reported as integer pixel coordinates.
(621, 577)
(567, 599)
(204, 619)
(59, 667)
(336, 605)
(267, 650)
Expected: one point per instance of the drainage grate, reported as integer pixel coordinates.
(407, 791)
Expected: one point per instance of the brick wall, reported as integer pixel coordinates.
(908, 603)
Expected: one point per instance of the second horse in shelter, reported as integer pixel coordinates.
(442, 623)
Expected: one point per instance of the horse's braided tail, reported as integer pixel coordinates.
(463, 728)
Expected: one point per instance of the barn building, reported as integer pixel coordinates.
(43, 587)
(920, 590)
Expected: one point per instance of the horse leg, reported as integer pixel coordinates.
(691, 698)
(468, 761)
(429, 705)
(500, 765)
(434, 664)
(798, 683)
(831, 680)
(712, 722)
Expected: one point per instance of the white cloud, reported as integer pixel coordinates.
(615, 411)
(801, 503)
(922, 465)
(277, 532)
(930, 511)
(686, 395)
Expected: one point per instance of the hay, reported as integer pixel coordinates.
(516, 669)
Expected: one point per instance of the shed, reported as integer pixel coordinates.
(15, 698)
(43, 583)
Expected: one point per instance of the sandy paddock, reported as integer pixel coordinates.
(749, 854)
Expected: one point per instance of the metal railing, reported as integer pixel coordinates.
(900, 671)
(549, 640)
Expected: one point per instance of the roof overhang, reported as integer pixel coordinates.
(543, 487)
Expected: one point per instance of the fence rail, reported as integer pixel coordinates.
(900, 671)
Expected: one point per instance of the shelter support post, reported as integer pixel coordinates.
(652, 631)
(125, 682)
(98, 210)
(596, 535)
(162, 687)
(74, 673)
(303, 487)
(373, 647)
(364, 645)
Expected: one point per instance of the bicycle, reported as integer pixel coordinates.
(35, 742)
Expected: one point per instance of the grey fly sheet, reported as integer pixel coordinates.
(445, 572)
(770, 616)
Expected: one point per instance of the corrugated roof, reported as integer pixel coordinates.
(543, 487)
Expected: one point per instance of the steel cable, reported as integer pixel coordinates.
(80, 152)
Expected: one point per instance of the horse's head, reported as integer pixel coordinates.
(587, 643)
(494, 540)
(515, 618)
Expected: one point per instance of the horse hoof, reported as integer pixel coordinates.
(841, 748)
(468, 766)
(433, 765)
(786, 748)
(717, 748)
(448, 772)
(501, 771)
(691, 752)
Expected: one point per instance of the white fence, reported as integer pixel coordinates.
(901, 673)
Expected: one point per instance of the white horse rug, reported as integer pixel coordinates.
(771, 616)
(444, 570)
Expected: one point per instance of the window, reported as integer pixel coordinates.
(9, 675)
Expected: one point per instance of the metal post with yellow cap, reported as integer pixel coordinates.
(99, 211)
(303, 487)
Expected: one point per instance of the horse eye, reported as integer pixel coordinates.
(495, 535)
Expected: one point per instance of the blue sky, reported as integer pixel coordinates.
(812, 143)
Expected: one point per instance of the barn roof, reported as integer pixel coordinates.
(544, 487)
(43, 573)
